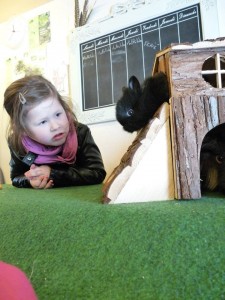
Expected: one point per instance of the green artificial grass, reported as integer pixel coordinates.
(73, 247)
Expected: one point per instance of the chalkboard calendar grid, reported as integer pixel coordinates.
(108, 61)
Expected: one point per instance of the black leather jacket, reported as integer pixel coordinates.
(87, 169)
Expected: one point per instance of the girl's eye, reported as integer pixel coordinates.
(58, 114)
(42, 122)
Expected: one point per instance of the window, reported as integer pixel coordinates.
(213, 70)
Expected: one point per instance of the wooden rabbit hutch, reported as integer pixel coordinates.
(196, 75)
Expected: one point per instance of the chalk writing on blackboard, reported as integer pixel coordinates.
(108, 62)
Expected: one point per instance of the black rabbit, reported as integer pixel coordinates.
(139, 103)
(212, 160)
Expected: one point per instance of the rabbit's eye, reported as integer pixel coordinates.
(219, 159)
(130, 112)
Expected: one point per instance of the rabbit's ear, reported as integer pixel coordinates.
(134, 84)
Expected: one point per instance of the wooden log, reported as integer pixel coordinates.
(192, 117)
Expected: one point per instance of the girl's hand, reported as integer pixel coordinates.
(39, 177)
(41, 182)
(36, 171)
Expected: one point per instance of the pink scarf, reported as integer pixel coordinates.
(65, 153)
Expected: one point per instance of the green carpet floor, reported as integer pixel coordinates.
(73, 247)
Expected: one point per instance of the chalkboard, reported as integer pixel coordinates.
(108, 62)
(105, 53)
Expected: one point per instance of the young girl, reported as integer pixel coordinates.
(49, 148)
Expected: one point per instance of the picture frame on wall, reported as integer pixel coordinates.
(104, 54)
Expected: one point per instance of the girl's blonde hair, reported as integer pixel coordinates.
(20, 97)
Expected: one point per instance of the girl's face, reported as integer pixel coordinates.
(47, 123)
